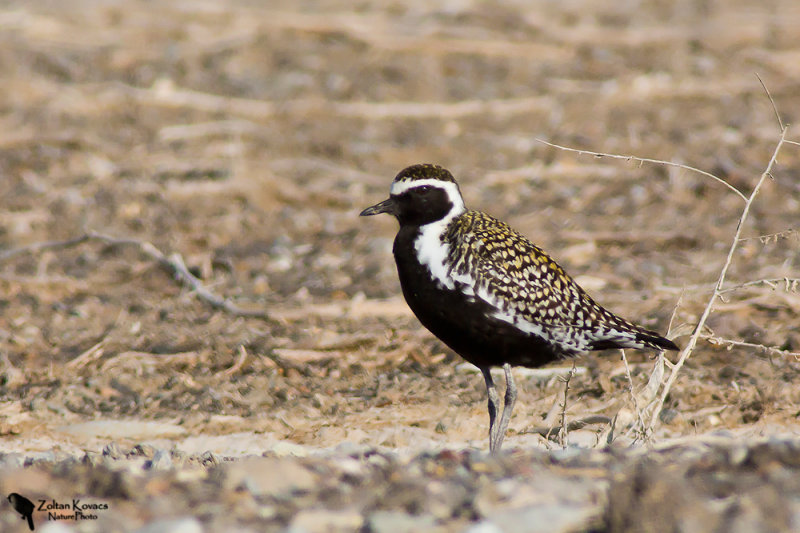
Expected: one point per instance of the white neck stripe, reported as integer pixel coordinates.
(430, 246)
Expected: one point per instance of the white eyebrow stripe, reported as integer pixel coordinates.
(399, 187)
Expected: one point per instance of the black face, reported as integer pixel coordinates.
(425, 197)
(416, 206)
(421, 205)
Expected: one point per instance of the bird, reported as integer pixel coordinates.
(23, 506)
(488, 292)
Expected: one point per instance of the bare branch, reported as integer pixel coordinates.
(647, 160)
(563, 432)
(91, 354)
(770, 350)
(687, 350)
(774, 107)
(548, 432)
(40, 246)
(173, 264)
(240, 361)
(790, 284)
(633, 392)
(770, 237)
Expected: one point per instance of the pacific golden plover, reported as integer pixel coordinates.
(488, 292)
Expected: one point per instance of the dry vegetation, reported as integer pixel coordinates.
(227, 147)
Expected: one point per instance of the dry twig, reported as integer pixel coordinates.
(769, 350)
(774, 237)
(548, 431)
(40, 246)
(240, 361)
(771, 101)
(173, 264)
(94, 353)
(647, 160)
(687, 350)
(633, 392)
(563, 431)
(789, 284)
(718, 287)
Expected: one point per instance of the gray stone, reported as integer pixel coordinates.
(41, 457)
(549, 490)
(92, 458)
(143, 450)
(398, 522)
(556, 518)
(112, 450)
(269, 476)
(484, 526)
(209, 458)
(234, 444)
(12, 460)
(162, 460)
(327, 521)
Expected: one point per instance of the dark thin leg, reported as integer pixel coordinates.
(508, 407)
(494, 400)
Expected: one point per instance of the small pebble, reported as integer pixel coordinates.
(162, 460)
(209, 459)
(92, 458)
(41, 457)
(484, 526)
(178, 457)
(11, 460)
(112, 450)
(398, 522)
(143, 450)
(325, 520)
(667, 415)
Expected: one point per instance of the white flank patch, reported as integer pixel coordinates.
(563, 336)
(556, 335)
(431, 249)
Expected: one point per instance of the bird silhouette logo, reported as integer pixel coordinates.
(23, 506)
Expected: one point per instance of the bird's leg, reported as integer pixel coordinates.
(510, 399)
(494, 399)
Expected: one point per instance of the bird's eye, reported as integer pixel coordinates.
(425, 189)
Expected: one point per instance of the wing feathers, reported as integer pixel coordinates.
(525, 287)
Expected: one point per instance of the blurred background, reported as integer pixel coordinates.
(246, 136)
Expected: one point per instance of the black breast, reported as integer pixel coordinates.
(461, 321)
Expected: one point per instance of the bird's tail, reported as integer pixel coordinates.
(652, 339)
(30, 521)
(624, 334)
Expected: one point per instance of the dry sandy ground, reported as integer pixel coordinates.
(246, 137)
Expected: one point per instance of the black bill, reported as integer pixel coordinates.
(386, 206)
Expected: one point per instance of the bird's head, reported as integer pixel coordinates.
(421, 194)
